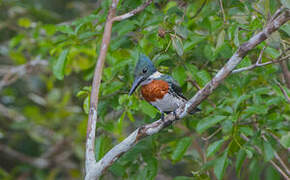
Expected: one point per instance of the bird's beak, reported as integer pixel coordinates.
(136, 83)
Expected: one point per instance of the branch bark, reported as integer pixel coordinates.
(259, 64)
(92, 169)
(133, 12)
(147, 130)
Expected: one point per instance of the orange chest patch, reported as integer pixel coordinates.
(154, 90)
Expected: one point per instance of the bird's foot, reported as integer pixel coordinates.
(162, 116)
(175, 115)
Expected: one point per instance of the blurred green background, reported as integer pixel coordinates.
(48, 51)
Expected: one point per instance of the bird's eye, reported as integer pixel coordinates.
(145, 70)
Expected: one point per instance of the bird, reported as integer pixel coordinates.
(158, 89)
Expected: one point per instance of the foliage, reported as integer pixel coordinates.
(189, 40)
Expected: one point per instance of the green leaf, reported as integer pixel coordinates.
(86, 105)
(247, 131)
(285, 140)
(221, 39)
(181, 148)
(148, 109)
(208, 52)
(272, 52)
(179, 74)
(214, 147)
(286, 3)
(220, 166)
(177, 44)
(244, 63)
(114, 86)
(119, 124)
(117, 169)
(182, 178)
(65, 29)
(181, 31)
(240, 159)
(239, 101)
(190, 44)
(24, 22)
(151, 167)
(268, 151)
(236, 38)
(130, 116)
(257, 109)
(203, 77)
(208, 122)
(59, 65)
(286, 28)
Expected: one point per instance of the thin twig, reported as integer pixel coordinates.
(210, 136)
(283, 91)
(278, 140)
(94, 169)
(133, 12)
(199, 10)
(223, 12)
(258, 64)
(271, 161)
(278, 157)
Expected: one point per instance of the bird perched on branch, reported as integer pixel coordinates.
(160, 90)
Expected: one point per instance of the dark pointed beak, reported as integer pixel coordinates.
(136, 83)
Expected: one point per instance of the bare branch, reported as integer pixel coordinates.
(92, 169)
(259, 64)
(213, 134)
(155, 127)
(223, 12)
(133, 12)
(283, 91)
(286, 73)
(90, 161)
(199, 10)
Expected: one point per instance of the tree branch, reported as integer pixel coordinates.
(133, 12)
(155, 127)
(93, 169)
(259, 64)
(284, 92)
(223, 12)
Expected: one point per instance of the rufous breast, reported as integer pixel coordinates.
(154, 90)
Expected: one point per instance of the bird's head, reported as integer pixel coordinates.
(143, 70)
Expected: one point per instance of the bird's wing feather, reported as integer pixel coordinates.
(175, 86)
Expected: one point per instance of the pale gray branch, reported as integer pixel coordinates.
(133, 12)
(259, 64)
(155, 127)
(94, 169)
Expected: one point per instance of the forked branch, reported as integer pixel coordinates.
(155, 127)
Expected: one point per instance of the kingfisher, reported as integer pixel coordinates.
(160, 90)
